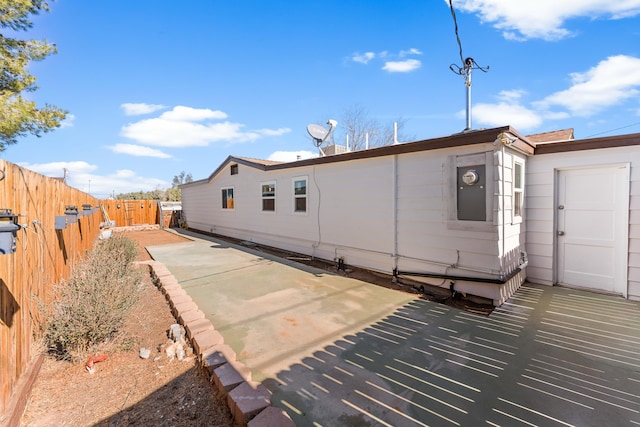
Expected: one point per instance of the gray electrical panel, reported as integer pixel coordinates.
(61, 222)
(8, 227)
(472, 193)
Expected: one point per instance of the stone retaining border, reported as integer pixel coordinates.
(140, 227)
(248, 401)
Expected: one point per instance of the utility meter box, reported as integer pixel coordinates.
(71, 212)
(472, 193)
(8, 227)
(61, 222)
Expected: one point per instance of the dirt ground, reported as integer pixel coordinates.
(127, 390)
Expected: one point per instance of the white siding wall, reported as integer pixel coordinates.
(197, 205)
(427, 241)
(350, 214)
(352, 200)
(539, 196)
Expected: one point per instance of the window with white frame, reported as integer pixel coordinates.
(268, 196)
(300, 194)
(227, 198)
(518, 188)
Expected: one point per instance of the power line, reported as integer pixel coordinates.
(464, 70)
(468, 64)
(613, 130)
(455, 24)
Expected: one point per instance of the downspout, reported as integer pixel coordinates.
(395, 212)
(504, 224)
(317, 244)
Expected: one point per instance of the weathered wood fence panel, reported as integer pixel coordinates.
(43, 257)
(132, 212)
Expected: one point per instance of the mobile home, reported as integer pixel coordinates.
(477, 212)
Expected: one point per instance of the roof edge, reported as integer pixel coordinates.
(473, 137)
(588, 144)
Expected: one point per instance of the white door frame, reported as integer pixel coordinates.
(623, 245)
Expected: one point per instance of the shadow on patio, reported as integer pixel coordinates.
(549, 356)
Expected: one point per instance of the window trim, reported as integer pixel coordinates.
(304, 196)
(263, 197)
(517, 217)
(224, 193)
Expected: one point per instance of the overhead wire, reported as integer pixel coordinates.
(613, 130)
(467, 63)
(455, 25)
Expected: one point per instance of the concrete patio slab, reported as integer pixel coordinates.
(338, 352)
(270, 311)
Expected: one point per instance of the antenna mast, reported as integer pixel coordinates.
(468, 65)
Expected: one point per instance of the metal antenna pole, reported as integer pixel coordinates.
(468, 67)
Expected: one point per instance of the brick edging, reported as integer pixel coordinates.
(248, 401)
(138, 227)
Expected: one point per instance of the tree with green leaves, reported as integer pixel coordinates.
(174, 194)
(181, 178)
(18, 115)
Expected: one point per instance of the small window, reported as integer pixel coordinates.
(518, 188)
(300, 194)
(227, 198)
(234, 169)
(268, 196)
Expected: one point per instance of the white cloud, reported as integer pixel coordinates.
(390, 65)
(544, 19)
(131, 109)
(122, 181)
(291, 156)
(68, 121)
(412, 51)
(363, 58)
(188, 127)
(273, 132)
(56, 169)
(609, 83)
(82, 176)
(508, 111)
(503, 114)
(188, 114)
(138, 150)
(402, 66)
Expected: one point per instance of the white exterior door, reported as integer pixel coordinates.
(592, 228)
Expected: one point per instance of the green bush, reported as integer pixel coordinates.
(93, 304)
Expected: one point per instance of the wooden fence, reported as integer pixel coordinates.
(44, 255)
(132, 212)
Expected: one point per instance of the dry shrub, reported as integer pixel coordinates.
(91, 307)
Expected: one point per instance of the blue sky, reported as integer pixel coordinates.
(156, 88)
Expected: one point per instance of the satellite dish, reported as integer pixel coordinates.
(319, 133)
